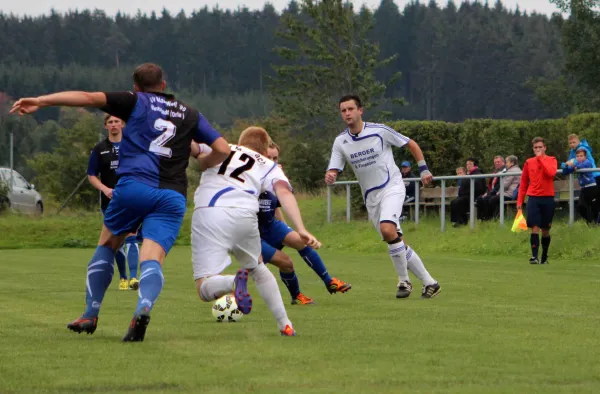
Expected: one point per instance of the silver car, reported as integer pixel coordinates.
(22, 195)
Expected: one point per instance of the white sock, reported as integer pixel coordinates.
(216, 287)
(266, 284)
(415, 265)
(398, 256)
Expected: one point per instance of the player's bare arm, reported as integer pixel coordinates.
(219, 151)
(417, 153)
(98, 185)
(69, 99)
(279, 215)
(290, 206)
(331, 176)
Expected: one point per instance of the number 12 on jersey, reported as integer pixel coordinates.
(235, 174)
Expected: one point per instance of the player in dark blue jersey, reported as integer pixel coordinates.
(275, 234)
(152, 184)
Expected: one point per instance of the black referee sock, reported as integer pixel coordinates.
(545, 246)
(535, 244)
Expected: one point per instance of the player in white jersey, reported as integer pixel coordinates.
(367, 147)
(225, 221)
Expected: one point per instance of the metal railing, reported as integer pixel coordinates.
(471, 179)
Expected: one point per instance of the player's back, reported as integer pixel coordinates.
(156, 140)
(238, 181)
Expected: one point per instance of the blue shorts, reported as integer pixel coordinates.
(160, 211)
(540, 211)
(271, 238)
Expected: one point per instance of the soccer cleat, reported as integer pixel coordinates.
(83, 324)
(544, 261)
(301, 299)
(137, 329)
(123, 284)
(134, 284)
(533, 260)
(431, 291)
(288, 331)
(242, 298)
(404, 289)
(337, 286)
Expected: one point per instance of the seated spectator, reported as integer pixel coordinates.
(588, 197)
(410, 186)
(484, 211)
(459, 207)
(511, 183)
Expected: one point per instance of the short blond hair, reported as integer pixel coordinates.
(572, 137)
(255, 138)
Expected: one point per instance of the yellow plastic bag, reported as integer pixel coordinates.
(520, 224)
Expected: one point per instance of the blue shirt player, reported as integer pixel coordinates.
(275, 234)
(151, 186)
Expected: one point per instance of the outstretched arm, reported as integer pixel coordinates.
(69, 99)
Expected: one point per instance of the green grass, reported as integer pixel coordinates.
(499, 325)
(81, 229)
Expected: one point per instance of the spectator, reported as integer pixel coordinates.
(588, 198)
(484, 211)
(575, 144)
(511, 184)
(459, 207)
(410, 186)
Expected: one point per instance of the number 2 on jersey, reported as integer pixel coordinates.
(238, 171)
(158, 144)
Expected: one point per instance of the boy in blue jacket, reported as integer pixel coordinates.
(574, 145)
(588, 197)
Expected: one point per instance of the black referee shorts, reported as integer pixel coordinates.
(540, 211)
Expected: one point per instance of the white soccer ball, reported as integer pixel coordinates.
(225, 309)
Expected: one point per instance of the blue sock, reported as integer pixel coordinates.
(120, 259)
(151, 284)
(312, 258)
(99, 274)
(133, 254)
(290, 280)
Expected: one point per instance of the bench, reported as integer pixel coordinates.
(432, 196)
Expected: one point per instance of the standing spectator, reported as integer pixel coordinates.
(537, 182)
(510, 186)
(484, 211)
(459, 207)
(575, 144)
(588, 198)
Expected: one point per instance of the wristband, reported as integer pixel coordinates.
(425, 172)
(422, 165)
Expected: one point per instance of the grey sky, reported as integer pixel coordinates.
(36, 7)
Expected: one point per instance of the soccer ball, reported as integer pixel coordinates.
(226, 309)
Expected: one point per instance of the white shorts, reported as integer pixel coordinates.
(389, 208)
(218, 231)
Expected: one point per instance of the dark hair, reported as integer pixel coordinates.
(474, 160)
(349, 97)
(148, 76)
(108, 116)
(583, 150)
(536, 140)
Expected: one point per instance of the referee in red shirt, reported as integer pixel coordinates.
(537, 182)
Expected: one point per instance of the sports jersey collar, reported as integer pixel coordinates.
(356, 135)
(165, 95)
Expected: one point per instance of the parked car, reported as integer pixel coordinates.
(22, 196)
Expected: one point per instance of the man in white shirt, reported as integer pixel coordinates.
(367, 147)
(225, 221)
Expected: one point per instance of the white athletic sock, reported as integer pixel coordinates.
(398, 256)
(216, 287)
(416, 266)
(266, 284)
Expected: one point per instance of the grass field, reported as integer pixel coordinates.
(499, 325)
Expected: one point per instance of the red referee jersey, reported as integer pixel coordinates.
(537, 179)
